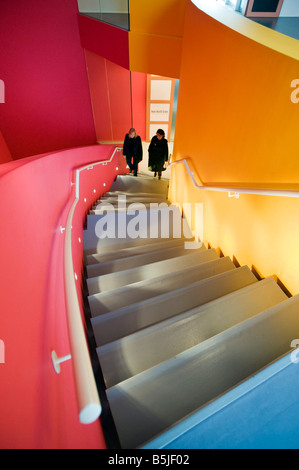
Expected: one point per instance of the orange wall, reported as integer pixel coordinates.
(236, 121)
(155, 38)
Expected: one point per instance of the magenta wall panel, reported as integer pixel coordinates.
(47, 102)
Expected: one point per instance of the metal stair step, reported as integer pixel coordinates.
(112, 281)
(135, 250)
(107, 206)
(137, 292)
(115, 194)
(129, 199)
(118, 229)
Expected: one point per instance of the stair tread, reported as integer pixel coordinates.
(183, 384)
(146, 348)
(142, 259)
(132, 205)
(126, 320)
(111, 281)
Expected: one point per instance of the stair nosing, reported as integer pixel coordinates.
(141, 257)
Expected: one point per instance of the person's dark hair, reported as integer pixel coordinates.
(161, 132)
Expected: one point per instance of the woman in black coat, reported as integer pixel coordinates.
(132, 149)
(158, 153)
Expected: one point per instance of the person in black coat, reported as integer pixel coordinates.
(158, 153)
(132, 149)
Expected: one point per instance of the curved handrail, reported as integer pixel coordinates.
(87, 394)
(234, 190)
(248, 28)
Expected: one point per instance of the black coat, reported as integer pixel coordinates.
(133, 147)
(157, 154)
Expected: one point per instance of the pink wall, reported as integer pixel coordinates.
(118, 98)
(38, 408)
(47, 102)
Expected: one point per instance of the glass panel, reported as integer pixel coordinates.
(115, 12)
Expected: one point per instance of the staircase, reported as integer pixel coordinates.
(176, 328)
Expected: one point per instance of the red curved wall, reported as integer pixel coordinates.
(38, 408)
(5, 155)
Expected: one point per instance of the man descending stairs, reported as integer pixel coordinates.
(176, 326)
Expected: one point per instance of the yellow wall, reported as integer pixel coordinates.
(237, 122)
(155, 37)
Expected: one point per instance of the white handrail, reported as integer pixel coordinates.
(87, 394)
(233, 191)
